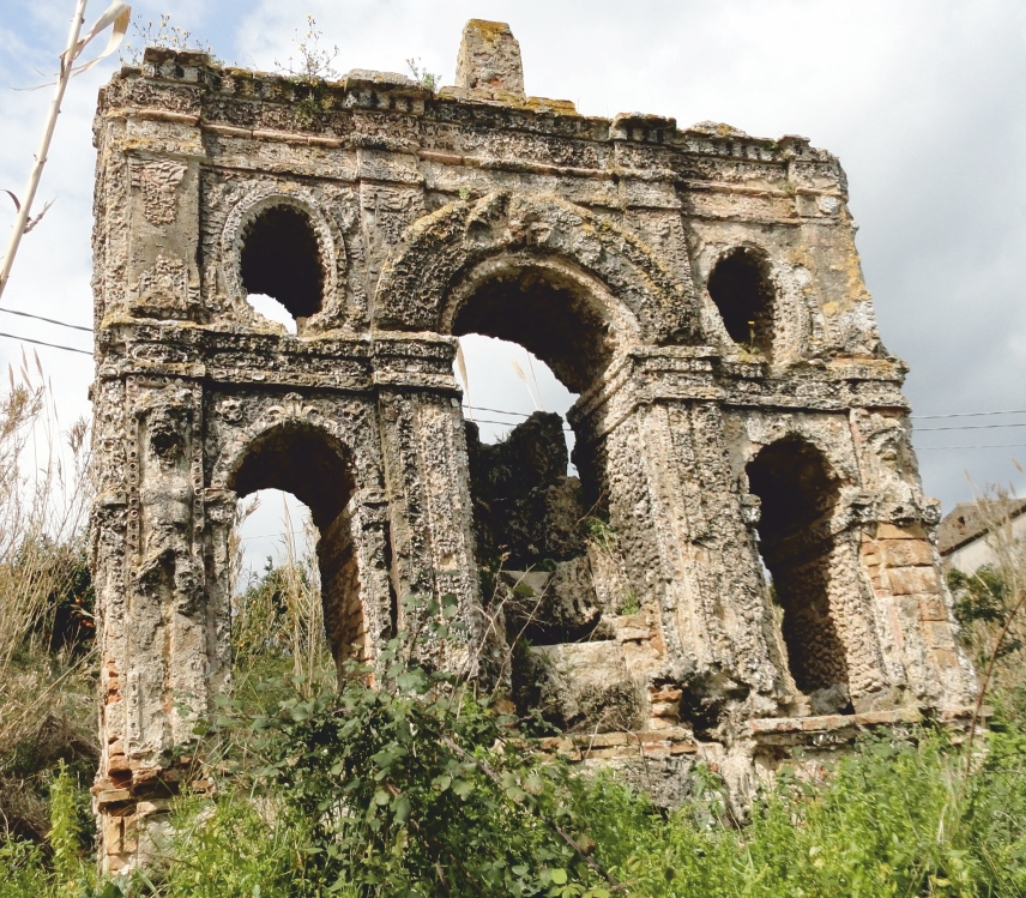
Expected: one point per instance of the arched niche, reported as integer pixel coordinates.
(317, 469)
(746, 299)
(278, 242)
(799, 492)
(438, 251)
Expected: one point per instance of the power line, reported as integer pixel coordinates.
(509, 423)
(978, 446)
(44, 343)
(76, 327)
(968, 427)
(498, 411)
(1014, 411)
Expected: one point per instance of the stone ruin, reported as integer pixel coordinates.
(739, 420)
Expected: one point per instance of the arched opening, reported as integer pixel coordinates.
(798, 493)
(532, 340)
(527, 507)
(276, 608)
(549, 315)
(281, 266)
(309, 466)
(742, 292)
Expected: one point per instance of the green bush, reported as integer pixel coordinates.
(410, 785)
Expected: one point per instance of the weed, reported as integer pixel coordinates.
(162, 34)
(312, 61)
(421, 75)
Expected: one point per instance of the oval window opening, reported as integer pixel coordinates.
(281, 261)
(742, 293)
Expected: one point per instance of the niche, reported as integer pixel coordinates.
(742, 292)
(281, 266)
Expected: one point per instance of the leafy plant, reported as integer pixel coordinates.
(423, 77)
(415, 786)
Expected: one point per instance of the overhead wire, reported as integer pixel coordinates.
(58, 322)
(499, 411)
(974, 446)
(969, 427)
(44, 343)
(1014, 411)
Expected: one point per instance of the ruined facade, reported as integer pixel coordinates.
(739, 418)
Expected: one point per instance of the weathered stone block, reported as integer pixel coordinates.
(907, 552)
(932, 608)
(913, 581)
(892, 531)
(584, 686)
(489, 60)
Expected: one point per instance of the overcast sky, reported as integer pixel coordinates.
(924, 101)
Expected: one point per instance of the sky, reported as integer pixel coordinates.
(922, 101)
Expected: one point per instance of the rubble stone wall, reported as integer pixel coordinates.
(627, 254)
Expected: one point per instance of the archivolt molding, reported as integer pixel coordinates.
(440, 249)
(830, 435)
(340, 427)
(258, 199)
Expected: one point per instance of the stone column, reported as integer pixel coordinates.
(427, 481)
(359, 604)
(160, 656)
(657, 433)
(914, 610)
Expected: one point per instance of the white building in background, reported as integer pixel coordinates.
(966, 536)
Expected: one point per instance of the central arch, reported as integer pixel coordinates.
(562, 315)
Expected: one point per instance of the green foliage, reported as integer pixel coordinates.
(599, 531)
(895, 819)
(21, 869)
(410, 785)
(978, 597)
(983, 598)
(630, 604)
(68, 619)
(405, 783)
(237, 848)
(405, 791)
(421, 75)
(71, 870)
(68, 871)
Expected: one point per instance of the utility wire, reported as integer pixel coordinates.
(968, 427)
(77, 327)
(1014, 411)
(44, 343)
(510, 424)
(977, 446)
(499, 411)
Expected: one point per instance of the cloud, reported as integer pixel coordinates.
(922, 100)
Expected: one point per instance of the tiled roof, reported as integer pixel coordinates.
(970, 520)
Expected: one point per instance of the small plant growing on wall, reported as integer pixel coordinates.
(311, 59)
(161, 33)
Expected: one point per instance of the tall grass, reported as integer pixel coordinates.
(47, 708)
